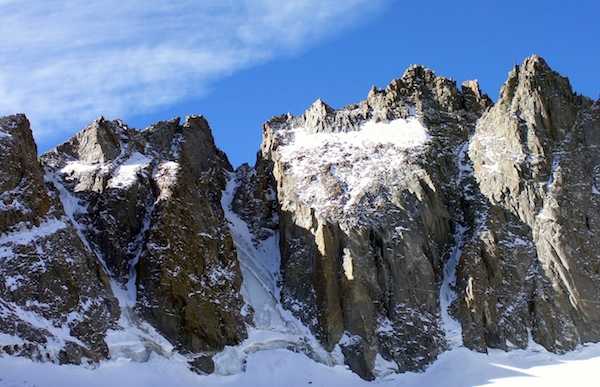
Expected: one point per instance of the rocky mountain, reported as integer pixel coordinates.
(149, 204)
(425, 204)
(141, 208)
(532, 266)
(56, 301)
(377, 235)
(367, 197)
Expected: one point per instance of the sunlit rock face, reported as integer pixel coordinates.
(531, 269)
(423, 187)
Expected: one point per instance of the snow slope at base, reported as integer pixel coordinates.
(259, 266)
(458, 367)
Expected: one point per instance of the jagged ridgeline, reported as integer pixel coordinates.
(139, 207)
(422, 218)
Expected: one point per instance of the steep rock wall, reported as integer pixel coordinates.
(148, 202)
(364, 216)
(532, 266)
(56, 301)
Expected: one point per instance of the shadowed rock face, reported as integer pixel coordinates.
(149, 205)
(56, 301)
(188, 276)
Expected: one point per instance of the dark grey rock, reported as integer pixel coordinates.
(152, 212)
(203, 365)
(56, 299)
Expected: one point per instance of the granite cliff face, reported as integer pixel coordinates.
(422, 218)
(367, 196)
(476, 213)
(117, 230)
(532, 265)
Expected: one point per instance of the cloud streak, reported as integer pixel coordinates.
(72, 60)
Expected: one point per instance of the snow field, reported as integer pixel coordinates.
(458, 367)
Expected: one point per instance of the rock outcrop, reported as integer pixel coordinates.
(531, 267)
(148, 202)
(504, 197)
(367, 197)
(56, 302)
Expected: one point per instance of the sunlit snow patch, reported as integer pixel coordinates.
(347, 264)
(26, 235)
(126, 174)
(166, 177)
(335, 170)
(78, 167)
(403, 133)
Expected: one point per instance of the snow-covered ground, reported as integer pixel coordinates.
(279, 367)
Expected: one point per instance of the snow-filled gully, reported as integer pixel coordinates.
(274, 327)
(134, 338)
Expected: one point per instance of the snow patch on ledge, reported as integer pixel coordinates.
(78, 167)
(166, 177)
(26, 235)
(404, 133)
(334, 171)
(127, 172)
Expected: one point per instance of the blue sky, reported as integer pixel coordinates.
(239, 62)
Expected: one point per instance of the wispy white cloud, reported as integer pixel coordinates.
(74, 60)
